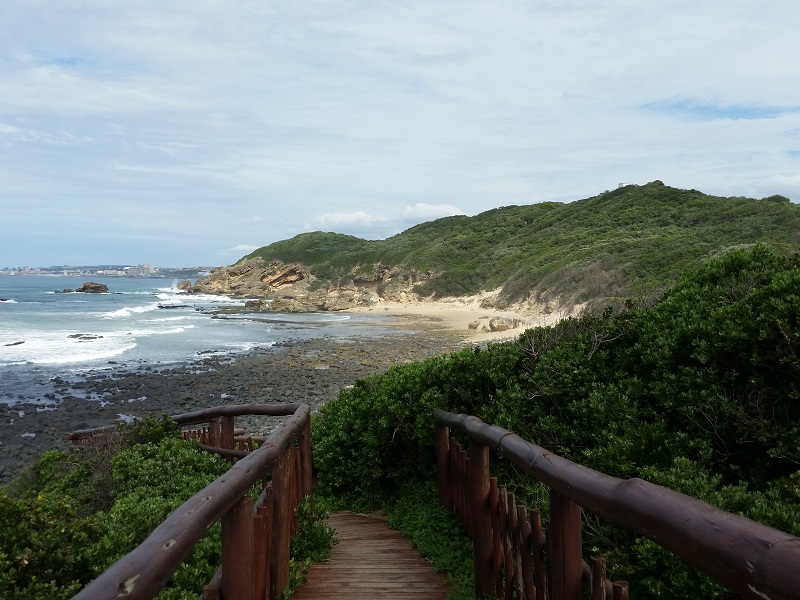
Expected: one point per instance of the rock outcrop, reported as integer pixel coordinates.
(252, 279)
(90, 287)
(293, 288)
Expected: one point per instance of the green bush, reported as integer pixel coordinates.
(697, 391)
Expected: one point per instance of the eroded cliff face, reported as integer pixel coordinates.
(293, 288)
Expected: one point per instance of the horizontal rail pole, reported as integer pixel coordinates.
(144, 571)
(751, 559)
(204, 415)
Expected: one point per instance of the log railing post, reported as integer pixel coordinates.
(261, 552)
(237, 548)
(227, 435)
(442, 465)
(306, 474)
(564, 540)
(281, 526)
(481, 519)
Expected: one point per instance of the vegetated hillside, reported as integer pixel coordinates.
(630, 241)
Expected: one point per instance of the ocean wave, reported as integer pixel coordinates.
(335, 318)
(171, 330)
(44, 349)
(7, 301)
(166, 319)
(127, 311)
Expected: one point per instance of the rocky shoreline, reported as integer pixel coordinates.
(311, 371)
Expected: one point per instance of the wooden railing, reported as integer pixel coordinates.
(255, 534)
(515, 555)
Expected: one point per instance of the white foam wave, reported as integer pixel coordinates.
(168, 331)
(128, 311)
(336, 318)
(58, 348)
(7, 301)
(166, 319)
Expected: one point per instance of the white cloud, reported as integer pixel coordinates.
(243, 121)
(243, 249)
(428, 212)
(354, 220)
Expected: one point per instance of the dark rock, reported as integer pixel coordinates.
(90, 287)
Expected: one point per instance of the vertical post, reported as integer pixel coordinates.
(226, 438)
(566, 564)
(442, 464)
(598, 566)
(237, 544)
(306, 473)
(620, 590)
(261, 551)
(480, 519)
(281, 525)
(213, 433)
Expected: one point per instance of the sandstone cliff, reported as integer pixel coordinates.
(293, 288)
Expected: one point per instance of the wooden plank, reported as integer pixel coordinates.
(371, 561)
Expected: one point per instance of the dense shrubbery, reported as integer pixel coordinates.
(630, 241)
(75, 513)
(698, 392)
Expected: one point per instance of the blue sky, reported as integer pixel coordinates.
(190, 132)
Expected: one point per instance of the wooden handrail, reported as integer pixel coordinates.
(143, 572)
(203, 416)
(751, 559)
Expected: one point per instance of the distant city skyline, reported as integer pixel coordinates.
(186, 133)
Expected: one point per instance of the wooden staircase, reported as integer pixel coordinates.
(371, 562)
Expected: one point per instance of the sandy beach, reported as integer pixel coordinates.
(468, 316)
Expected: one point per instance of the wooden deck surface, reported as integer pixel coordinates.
(371, 561)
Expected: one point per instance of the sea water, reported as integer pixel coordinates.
(48, 333)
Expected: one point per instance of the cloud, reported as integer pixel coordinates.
(364, 118)
(428, 212)
(243, 249)
(348, 221)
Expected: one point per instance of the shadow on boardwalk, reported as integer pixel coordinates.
(371, 561)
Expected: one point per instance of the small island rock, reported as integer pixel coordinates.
(90, 287)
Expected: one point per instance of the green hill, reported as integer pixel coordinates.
(631, 241)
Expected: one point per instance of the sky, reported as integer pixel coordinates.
(191, 132)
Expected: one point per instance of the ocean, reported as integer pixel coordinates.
(47, 334)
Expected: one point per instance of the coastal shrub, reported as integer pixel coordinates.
(55, 538)
(697, 391)
(381, 428)
(434, 531)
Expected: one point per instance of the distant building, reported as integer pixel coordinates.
(140, 271)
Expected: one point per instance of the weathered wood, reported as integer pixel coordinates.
(371, 562)
(749, 558)
(237, 547)
(621, 590)
(598, 570)
(442, 465)
(497, 545)
(203, 416)
(306, 471)
(281, 525)
(262, 545)
(226, 432)
(566, 568)
(481, 519)
(144, 571)
(525, 550)
(213, 433)
(212, 591)
(538, 542)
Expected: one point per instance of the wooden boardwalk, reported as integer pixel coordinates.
(371, 561)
